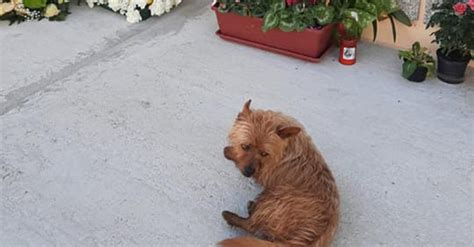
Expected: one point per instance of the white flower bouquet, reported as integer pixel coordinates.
(137, 10)
(57, 10)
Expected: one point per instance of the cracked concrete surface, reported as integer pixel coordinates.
(112, 135)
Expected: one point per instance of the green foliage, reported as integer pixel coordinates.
(456, 32)
(34, 4)
(356, 15)
(256, 8)
(296, 17)
(276, 13)
(416, 57)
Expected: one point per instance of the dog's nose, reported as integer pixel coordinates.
(249, 171)
(228, 153)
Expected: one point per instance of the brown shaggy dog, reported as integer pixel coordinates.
(299, 205)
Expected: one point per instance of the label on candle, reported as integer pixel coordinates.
(349, 53)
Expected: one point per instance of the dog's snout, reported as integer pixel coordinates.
(249, 170)
(228, 153)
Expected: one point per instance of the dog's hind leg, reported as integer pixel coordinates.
(235, 220)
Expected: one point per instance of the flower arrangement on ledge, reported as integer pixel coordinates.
(137, 10)
(17, 11)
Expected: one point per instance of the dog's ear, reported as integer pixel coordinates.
(245, 110)
(286, 132)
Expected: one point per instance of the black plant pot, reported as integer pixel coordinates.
(450, 70)
(419, 75)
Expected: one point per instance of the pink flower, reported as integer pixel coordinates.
(460, 8)
(291, 2)
(471, 4)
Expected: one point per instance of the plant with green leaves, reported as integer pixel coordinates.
(286, 15)
(417, 57)
(455, 20)
(356, 15)
(296, 17)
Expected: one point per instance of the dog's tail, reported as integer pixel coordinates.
(247, 241)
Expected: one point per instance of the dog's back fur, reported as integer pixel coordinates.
(299, 205)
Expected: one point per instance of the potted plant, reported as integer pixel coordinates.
(418, 64)
(455, 37)
(353, 16)
(298, 28)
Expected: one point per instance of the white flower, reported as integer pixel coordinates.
(168, 5)
(133, 16)
(177, 2)
(139, 3)
(157, 7)
(51, 10)
(91, 3)
(115, 5)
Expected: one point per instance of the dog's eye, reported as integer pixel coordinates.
(264, 154)
(245, 147)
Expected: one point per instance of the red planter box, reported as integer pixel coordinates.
(309, 44)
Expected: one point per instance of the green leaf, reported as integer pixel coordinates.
(390, 6)
(406, 55)
(416, 48)
(351, 28)
(374, 28)
(430, 67)
(288, 25)
(394, 29)
(300, 26)
(323, 14)
(409, 68)
(363, 18)
(366, 6)
(285, 14)
(270, 20)
(379, 4)
(34, 4)
(402, 17)
(278, 5)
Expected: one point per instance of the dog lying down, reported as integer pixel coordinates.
(299, 205)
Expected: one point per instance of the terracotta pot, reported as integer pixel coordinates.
(309, 44)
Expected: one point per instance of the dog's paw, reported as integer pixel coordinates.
(229, 217)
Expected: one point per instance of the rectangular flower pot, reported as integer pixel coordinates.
(309, 44)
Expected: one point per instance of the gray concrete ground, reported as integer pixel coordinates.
(112, 135)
